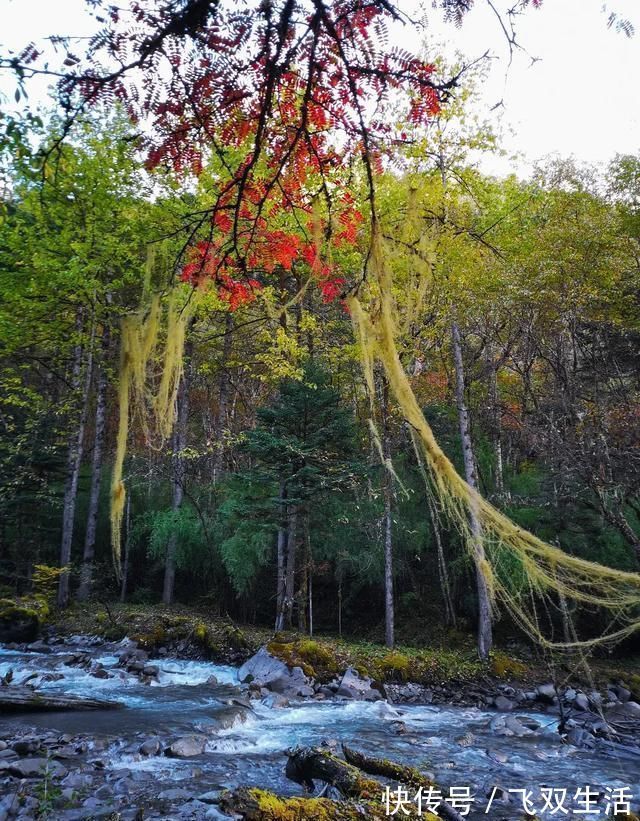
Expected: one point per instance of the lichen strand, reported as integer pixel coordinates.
(261, 805)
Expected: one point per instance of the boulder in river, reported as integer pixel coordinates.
(353, 686)
(268, 671)
(187, 746)
(503, 704)
(150, 747)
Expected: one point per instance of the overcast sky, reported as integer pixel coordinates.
(581, 98)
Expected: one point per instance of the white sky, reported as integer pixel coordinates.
(582, 98)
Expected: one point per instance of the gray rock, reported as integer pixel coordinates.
(276, 700)
(503, 704)
(546, 692)
(211, 681)
(151, 670)
(174, 794)
(27, 745)
(216, 815)
(7, 754)
(352, 686)
(623, 694)
(210, 797)
(629, 708)
(325, 691)
(100, 672)
(570, 694)
(265, 670)
(150, 747)
(187, 746)
(33, 768)
(581, 738)
(78, 781)
(38, 647)
(518, 729)
(581, 702)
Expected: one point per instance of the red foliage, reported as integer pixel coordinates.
(285, 94)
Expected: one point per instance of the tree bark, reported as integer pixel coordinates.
(484, 602)
(178, 479)
(281, 558)
(74, 458)
(86, 571)
(127, 550)
(290, 573)
(449, 611)
(495, 425)
(387, 492)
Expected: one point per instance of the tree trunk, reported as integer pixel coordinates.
(86, 571)
(280, 559)
(484, 601)
(127, 550)
(290, 575)
(74, 458)
(495, 425)
(178, 464)
(449, 612)
(387, 491)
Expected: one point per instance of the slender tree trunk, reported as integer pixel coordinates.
(445, 587)
(281, 558)
(484, 601)
(127, 549)
(290, 573)
(387, 492)
(496, 428)
(86, 571)
(340, 604)
(74, 458)
(178, 463)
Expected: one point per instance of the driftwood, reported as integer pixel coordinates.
(363, 796)
(398, 774)
(25, 700)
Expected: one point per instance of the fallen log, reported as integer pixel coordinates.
(399, 774)
(363, 796)
(25, 700)
(308, 764)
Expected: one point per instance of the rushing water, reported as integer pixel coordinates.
(245, 745)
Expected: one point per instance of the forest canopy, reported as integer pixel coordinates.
(271, 341)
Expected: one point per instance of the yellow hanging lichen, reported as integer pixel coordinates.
(548, 570)
(140, 348)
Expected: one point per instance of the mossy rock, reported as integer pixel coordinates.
(318, 655)
(235, 638)
(20, 620)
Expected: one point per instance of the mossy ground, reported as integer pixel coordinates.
(449, 658)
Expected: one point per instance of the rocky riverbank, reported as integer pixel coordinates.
(153, 764)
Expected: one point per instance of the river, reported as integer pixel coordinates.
(245, 744)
